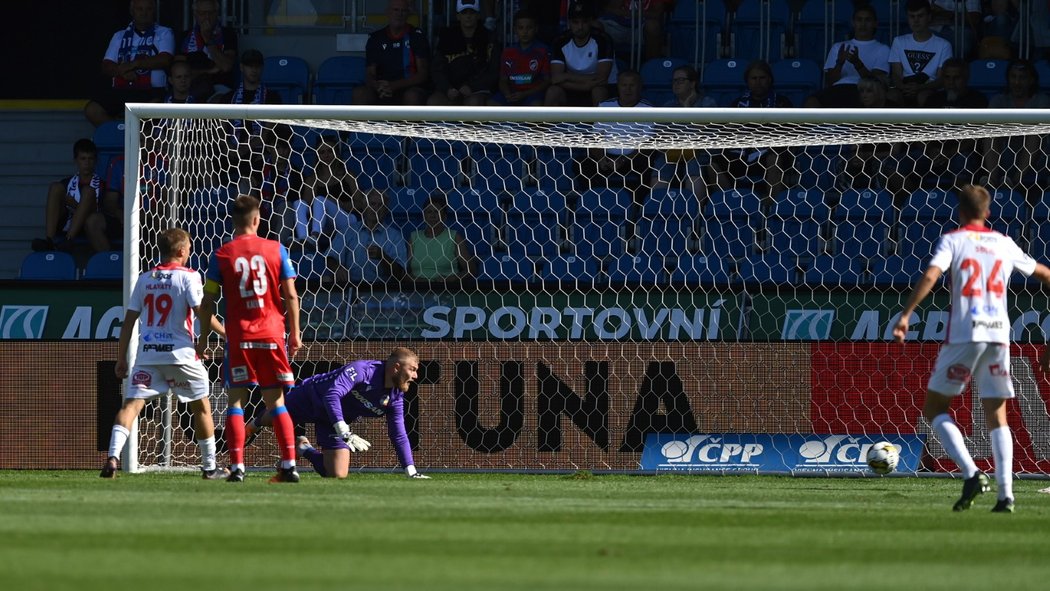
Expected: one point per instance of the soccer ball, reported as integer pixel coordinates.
(883, 457)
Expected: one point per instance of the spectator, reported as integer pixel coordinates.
(397, 59)
(373, 252)
(282, 188)
(246, 137)
(329, 197)
(769, 163)
(955, 92)
(251, 90)
(942, 22)
(72, 208)
(849, 61)
(620, 167)
(615, 18)
(525, 66)
(1021, 170)
(465, 67)
(869, 165)
(683, 167)
(134, 64)
(437, 252)
(211, 50)
(916, 58)
(582, 63)
(180, 81)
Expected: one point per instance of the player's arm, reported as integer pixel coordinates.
(206, 315)
(130, 318)
(918, 294)
(291, 309)
(395, 426)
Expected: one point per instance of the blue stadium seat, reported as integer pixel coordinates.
(930, 204)
(769, 269)
(376, 159)
(475, 215)
(1042, 68)
(860, 238)
(865, 204)
(534, 223)
(751, 41)
(671, 202)
(109, 139)
(437, 164)
(555, 169)
(818, 27)
(570, 268)
(796, 78)
(598, 223)
(310, 266)
(639, 269)
(897, 270)
(839, 270)
(732, 217)
(501, 168)
(699, 270)
(988, 76)
(506, 267)
(656, 75)
(665, 236)
(336, 78)
(723, 79)
(406, 206)
(818, 165)
(48, 266)
(105, 265)
(289, 76)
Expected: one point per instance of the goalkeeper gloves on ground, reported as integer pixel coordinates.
(410, 471)
(356, 443)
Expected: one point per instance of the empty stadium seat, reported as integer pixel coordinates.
(109, 139)
(699, 270)
(836, 271)
(897, 270)
(105, 265)
(860, 238)
(555, 168)
(376, 159)
(289, 76)
(865, 204)
(758, 27)
(930, 204)
(656, 75)
(534, 223)
(796, 78)
(769, 269)
(988, 76)
(665, 236)
(597, 226)
(437, 164)
(505, 267)
(48, 266)
(636, 269)
(501, 168)
(671, 202)
(723, 79)
(570, 268)
(336, 78)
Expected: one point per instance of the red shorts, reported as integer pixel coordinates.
(257, 363)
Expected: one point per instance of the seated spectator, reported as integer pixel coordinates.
(374, 251)
(251, 90)
(246, 137)
(942, 22)
(916, 58)
(464, 70)
(731, 166)
(437, 252)
(684, 169)
(620, 167)
(955, 92)
(72, 210)
(582, 63)
(134, 65)
(1019, 171)
(849, 61)
(180, 81)
(615, 18)
(525, 67)
(869, 165)
(211, 51)
(330, 197)
(397, 62)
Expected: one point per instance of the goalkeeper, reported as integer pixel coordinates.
(333, 400)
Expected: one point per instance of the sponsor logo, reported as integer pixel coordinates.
(807, 325)
(142, 378)
(710, 449)
(239, 373)
(959, 373)
(22, 322)
(834, 449)
(368, 404)
(285, 377)
(158, 348)
(988, 324)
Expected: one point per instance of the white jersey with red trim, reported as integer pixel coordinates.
(979, 262)
(164, 298)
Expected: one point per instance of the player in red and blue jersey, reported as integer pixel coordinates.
(358, 390)
(525, 67)
(254, 276)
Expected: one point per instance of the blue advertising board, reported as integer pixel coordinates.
(760, 452)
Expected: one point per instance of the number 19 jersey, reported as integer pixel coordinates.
(979, 262)
(163, 297)
(250, 270)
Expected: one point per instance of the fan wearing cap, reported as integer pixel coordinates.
(582, 63)
(465, 64)
(397, 62)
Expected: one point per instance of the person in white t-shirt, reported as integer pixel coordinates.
(165, 359)
(916, 58)
(849, 61)
(979, 262)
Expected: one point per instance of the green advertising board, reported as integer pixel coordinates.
(60, 313)
(870, 316)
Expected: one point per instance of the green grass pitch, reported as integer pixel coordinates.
(152, 532)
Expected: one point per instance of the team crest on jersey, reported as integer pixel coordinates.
(239, 373)
(142, 378)
(534, 65)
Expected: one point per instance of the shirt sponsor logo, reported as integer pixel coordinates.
(149, 337)
(22, 322)
(368, 404)
(159, 348)
(988, 324)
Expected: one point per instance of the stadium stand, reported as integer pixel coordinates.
(656, 75)
(109, 139)
(336, 78)
(988, 76)
(105, 265)
(48, 266)
(289, 76)
(796, 78)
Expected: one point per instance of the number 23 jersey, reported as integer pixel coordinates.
(250, 270)
(979, 262)
(163, 297)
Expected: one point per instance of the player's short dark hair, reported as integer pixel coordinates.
(244, 206)
(84, 146)
(170, 239)
(401, 354)
(974, 200)
(918, 5)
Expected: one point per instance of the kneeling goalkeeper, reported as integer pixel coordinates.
(360, 389)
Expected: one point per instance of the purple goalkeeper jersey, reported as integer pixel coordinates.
(348, 393)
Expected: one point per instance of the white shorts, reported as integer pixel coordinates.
(958, 363)
(189, 382)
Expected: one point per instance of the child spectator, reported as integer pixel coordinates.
(525, 66)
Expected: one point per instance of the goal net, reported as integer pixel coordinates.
(613, 289)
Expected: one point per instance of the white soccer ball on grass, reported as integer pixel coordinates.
(883, 457)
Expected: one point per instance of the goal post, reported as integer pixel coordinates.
(707, 289)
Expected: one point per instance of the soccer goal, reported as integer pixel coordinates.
(612, 289)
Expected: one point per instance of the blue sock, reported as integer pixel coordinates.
(316, 458)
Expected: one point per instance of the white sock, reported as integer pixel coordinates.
(1003, 452)
(951, 438)
(207, 453)
(287, 464)
(236, 467)
(117, 438)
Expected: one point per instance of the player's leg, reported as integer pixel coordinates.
(192, 389)
(996, 387)
(234, 431)
(334, 460)
(284, 433)
(118, 436)
(337, 463)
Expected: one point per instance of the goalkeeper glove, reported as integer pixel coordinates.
(356, 443)
(410, 471)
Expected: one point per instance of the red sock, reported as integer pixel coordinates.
(284, 432)
(235, 437)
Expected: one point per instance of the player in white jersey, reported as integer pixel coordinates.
(165, 361)
(979, 262)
